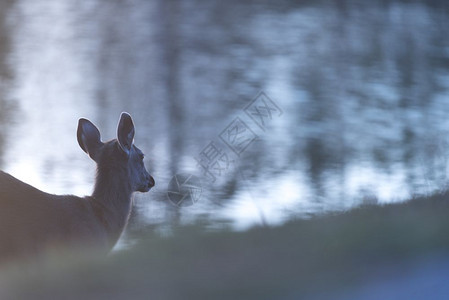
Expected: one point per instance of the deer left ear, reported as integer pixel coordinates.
(125, 132)
(89, 137)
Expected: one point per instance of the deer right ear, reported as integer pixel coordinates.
(88, 137)
(125, 132)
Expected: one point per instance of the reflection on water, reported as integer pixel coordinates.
(5, 75)
(363, 88)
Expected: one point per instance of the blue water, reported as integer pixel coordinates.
(362, 93)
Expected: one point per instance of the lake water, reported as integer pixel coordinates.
(354, 103)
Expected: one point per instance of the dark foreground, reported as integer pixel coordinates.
(395, 251)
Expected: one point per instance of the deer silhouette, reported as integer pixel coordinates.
(32, 220)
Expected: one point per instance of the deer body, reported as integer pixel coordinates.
(32, 220)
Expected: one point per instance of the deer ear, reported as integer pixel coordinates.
(88, 137)
(125, 132)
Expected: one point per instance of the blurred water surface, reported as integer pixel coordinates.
(363, 89)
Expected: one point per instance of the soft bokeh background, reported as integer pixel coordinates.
(363, 86)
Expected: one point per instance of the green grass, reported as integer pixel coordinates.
(299, 258)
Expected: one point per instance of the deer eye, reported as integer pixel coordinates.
(141, 156)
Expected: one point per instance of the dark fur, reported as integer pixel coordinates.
(32, 220)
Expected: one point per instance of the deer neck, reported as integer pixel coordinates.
(112, 201)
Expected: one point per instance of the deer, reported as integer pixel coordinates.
(32, 221)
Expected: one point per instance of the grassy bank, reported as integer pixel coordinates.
(300, 258)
